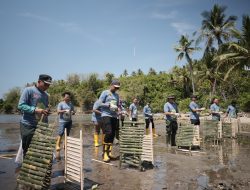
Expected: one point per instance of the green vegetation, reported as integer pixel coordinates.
(221, 72)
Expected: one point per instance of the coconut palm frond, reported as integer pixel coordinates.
(178, 49)
(238, 48)
(230, 70)
(180, 56)
(235, 33)
(224, 57)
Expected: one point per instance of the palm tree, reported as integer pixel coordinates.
(215, 26)
(184, 49)
(205, 71)
(125, 73)
(133, 74)
(151, 71)
(140, 72)
(181, 76)
(239, 52)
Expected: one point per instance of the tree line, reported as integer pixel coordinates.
(222, 71)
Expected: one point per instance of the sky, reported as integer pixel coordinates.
(62, 37)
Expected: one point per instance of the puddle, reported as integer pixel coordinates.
(203, 181)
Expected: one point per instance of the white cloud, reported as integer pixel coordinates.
(164, 16)
(71, 26)
(172, 3)
(36, 17)
(182, 27)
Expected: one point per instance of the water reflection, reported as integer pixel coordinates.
(202, 181)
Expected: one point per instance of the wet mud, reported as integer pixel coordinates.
(222, 166)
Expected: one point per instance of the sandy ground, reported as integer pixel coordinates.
(224, 166)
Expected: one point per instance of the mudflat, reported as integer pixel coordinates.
(222, 166)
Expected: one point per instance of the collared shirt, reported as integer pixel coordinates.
(147, 111)
(232, 111)
(107, 99)
(215, 108)
(194, 114)
(66, 116)
(133, 110)
(171, 107)
(31, 98)
(96, 116)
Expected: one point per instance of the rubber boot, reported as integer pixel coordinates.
(110, 154)
(147, 131)
(95, 152)
(96, 140)
(105, 153)
(154, 133)
(58, 143)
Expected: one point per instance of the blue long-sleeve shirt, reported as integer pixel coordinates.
(31, 98)
(147, 111)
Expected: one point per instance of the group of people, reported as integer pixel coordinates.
(171, 113)
(107, 110)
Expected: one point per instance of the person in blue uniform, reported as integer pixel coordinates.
(171, 113)
(215, 110)
(148, 115)
(34, 106)
(65, 109)
(109, 101)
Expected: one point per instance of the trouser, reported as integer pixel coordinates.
(64, 125)
(133, 119)
(195, 121)
(117, 129)
(98, 127)
(171, 129)
(109, 128)
(27, 133)
(148, 121)
(122, 120)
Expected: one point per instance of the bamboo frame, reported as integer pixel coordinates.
(74, 156)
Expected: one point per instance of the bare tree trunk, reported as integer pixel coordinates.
(192, 78)
(214, 87)
(223, 94)
(191, 75)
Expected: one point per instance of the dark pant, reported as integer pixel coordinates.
(63, 126)
(27, 133)
(171, 129)
(147, 121)
(109, 128)
(117, 129)
(98, 127)
(134, 119)
(195, 121)
(122, 120)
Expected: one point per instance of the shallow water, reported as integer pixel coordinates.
(10, 131)
(222, 166)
